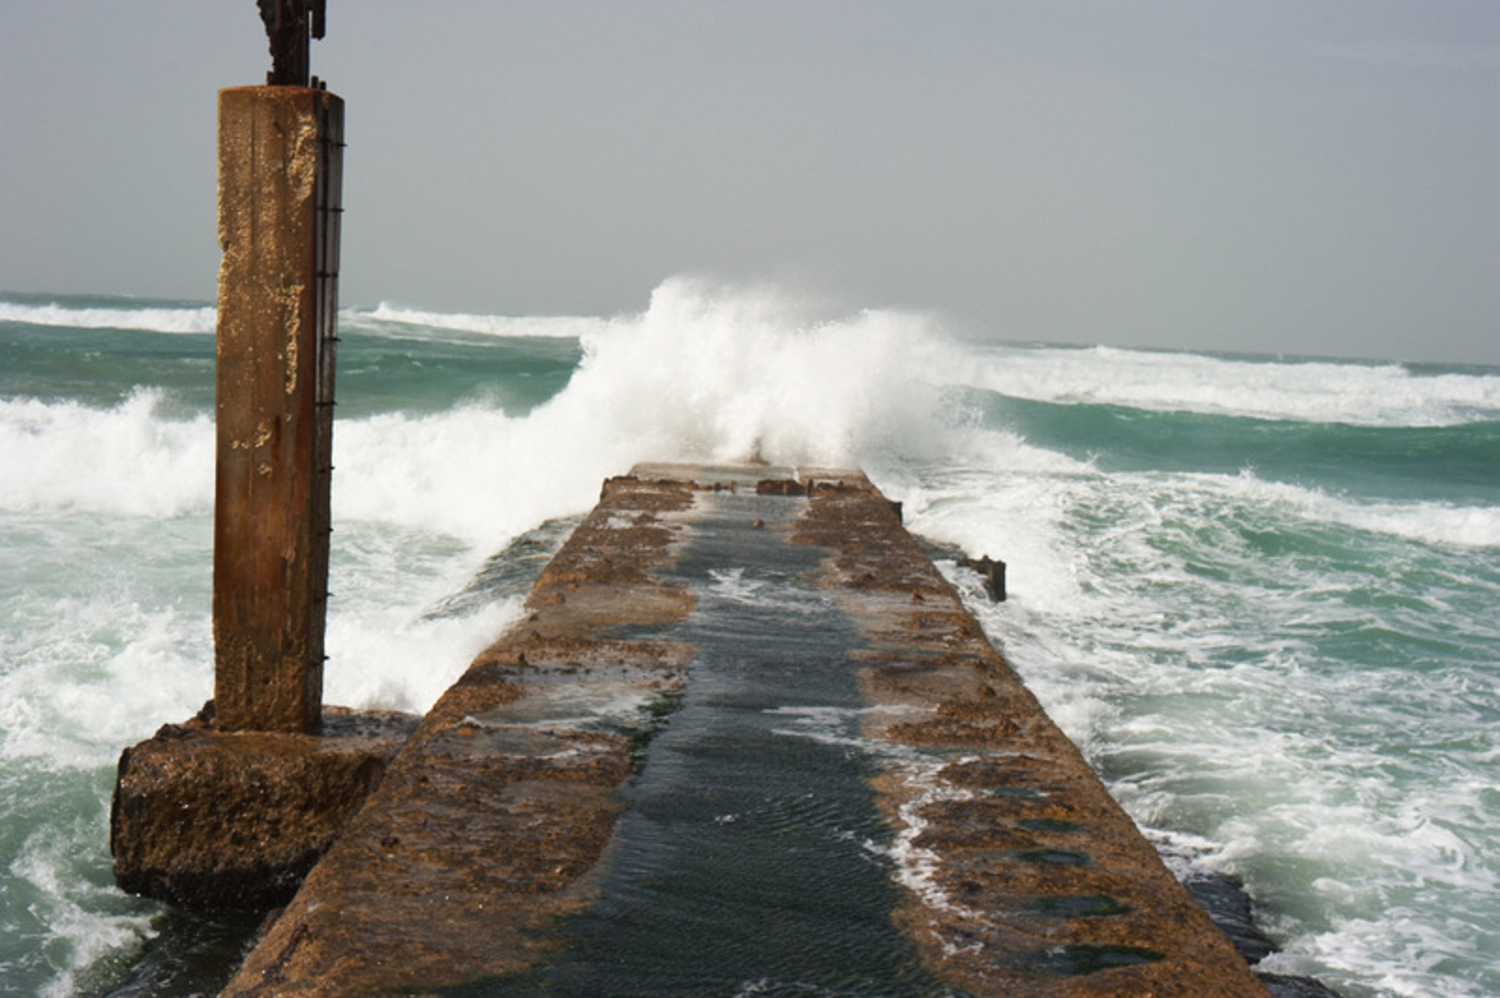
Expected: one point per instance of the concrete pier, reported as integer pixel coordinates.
(280, 163)
(1014, 871)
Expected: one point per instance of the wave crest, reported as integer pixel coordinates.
(198, 319)
(1309, 391)
(545, 327)
(124, 459)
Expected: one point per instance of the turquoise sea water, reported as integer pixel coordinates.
(1259, 592)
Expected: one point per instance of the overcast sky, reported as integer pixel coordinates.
(1303, 177)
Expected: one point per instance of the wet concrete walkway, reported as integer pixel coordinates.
(746, 741)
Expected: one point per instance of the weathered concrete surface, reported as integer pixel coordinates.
(492, 822)
(1023, 875)
(206, 819)
(1020, 874)
(280, 156)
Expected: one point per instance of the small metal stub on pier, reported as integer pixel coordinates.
(993, 572)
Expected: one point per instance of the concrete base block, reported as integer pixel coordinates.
(205, 819)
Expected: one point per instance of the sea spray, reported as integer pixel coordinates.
(732, 374)
(125, 459)
(705, 374)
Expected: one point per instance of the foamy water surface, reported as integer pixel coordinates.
(1284, 668)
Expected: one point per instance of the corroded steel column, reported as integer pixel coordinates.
(280, 164)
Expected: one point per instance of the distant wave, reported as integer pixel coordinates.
(1307, 391)
(203, 319)
(548, 326)
(1424, 521)
(155, 319)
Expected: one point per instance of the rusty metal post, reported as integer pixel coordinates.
(280, 166)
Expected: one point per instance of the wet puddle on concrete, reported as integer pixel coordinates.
(751, 857)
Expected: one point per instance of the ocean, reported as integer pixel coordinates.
(1261, 593)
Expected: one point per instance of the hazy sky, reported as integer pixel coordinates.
(1300, 176)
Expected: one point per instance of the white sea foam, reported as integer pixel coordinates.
(103, 673)
(917, 866)
(388, 658)
(1194, 671)
(1323, 392)
(1020, 518)
(705, 374)
(189, 319)
(730, 585)
(126, 459)
(913, 866)
(74, 909)
(473, 473)
(840, 726)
